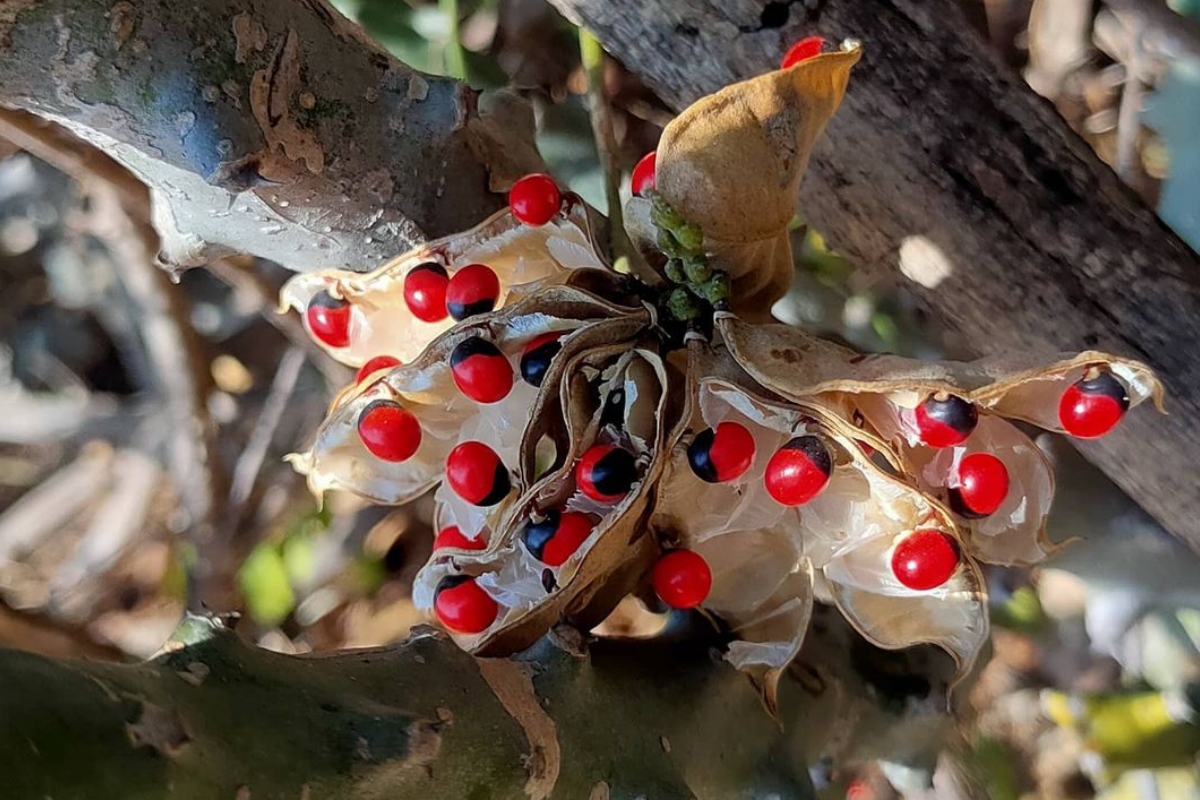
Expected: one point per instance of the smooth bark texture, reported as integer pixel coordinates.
(273, 127)
(217, 718)
(943, 163)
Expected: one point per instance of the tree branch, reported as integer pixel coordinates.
(945, 164)
(273, 127)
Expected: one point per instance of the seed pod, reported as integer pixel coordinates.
(463, 607)
(925, 559)
(477, 475)
(480, 370)
(798, 471)
(537, 354)
(474, 289)
(425, 291)
(376, 364)
(389, 431)
(1093, 405)
(944, 421)
(722, 455)
(452, 537)
(329, 319)
(556, 538)
(534, 199)
(606, 473)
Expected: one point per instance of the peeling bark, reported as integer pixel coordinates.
(943, 163)
(273, 127)
(216, 718)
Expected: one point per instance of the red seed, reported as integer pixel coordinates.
(798, 471)
(480, 370)
(643, 174)
(376, 364)
(328, 319)
(945, 421)
(389, 431)
(1092, 406)
(682, 578)
(556, 538)
(463, 606)
(983, 485)
(722, 455)
(425, 291)
(476, 474)
(925, 559)
(474, 289)
(606, 473)
(534, 199)
(806, 48)
(453, 537)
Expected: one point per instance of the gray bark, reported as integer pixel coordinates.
(273, 127)
(941, 158)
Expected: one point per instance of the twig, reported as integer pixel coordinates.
(592, 55)
(118, 519)
(52, 504)
(245, 473)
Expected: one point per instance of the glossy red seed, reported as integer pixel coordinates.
(463, 606)
(945, 422)
(983, 483)
(925, 559)
(476, 474)
(643, 174)
(534, 199)
(480, 370)
(806, 48)
(682, 578)
(453, 537)
(389, 431)
(606, 473)
(1092, 406)
(722, 455)
(474, 289)
(425, 291)
(798, 471)
(329, 319)
(556, 538)
(375, 365)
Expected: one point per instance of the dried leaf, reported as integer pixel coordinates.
(732, 162)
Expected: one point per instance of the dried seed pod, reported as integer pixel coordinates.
(396, 308)
(712, 167)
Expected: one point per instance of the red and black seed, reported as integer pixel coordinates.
(537, 355)
(945, 420)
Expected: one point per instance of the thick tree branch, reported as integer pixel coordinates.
(272, 127)
(668, 720)
(945, 164)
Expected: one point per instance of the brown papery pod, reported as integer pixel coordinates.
(732, 162)
(524, 259)
(1018, 385)
(588, 585)
(338, 459)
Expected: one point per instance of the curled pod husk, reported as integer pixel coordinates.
(524, 259)
(731, 164)
(617, 394)
(338, 458)
(763, 555)
(881, 392)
